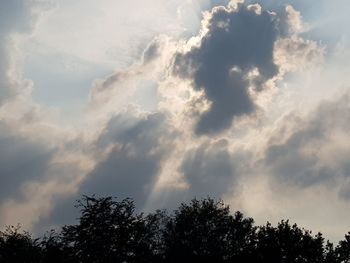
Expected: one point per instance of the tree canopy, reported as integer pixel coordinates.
(111, 230)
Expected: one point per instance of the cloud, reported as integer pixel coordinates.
(209, 170)
(143, 154)
(35, 157)
(35, 173)
(298, 168)
(241, 51)
(135, 85)
(20, 161)
(153, 154)
(236, 42)
(151, 52)
(128, 155)
(23, 157)
(131, 166)
(315, 150)
(16, 17)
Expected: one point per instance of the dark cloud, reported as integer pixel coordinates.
(63, 213)
(151, 52)
(209, 170)
(132, 166)
(129, 169)
(286, 161)
(304, 158)
(237, 42)
(21, 161)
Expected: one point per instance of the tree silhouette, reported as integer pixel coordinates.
(342, 251)
(286, 244)
(54, 249)
(204, 230)
(18, 246)
(109, 231)
(330, 255)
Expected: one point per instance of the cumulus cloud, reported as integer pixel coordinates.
(237, 41)
(209, 170)
(241, 51)
(15, 16)
(35, 169)
(298, 168)
(128, 153)
(136, 85)
(153, 154)
(292, 51)
(231, 60)
(137, 143)
(20, 161)
(37, 158)
(314, 150)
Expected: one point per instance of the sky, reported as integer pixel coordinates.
(166, 100)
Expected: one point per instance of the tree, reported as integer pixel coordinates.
(54, 249)
(287, 244)
(204, 230)
(18, 246)
(342, 251)
(330, 255)
(108, 231)
(155, 230)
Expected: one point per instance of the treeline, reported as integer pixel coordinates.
(204, 230)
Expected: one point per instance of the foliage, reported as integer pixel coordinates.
(18, 246)
(204, 230)
(108, 231)
(288, 243)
